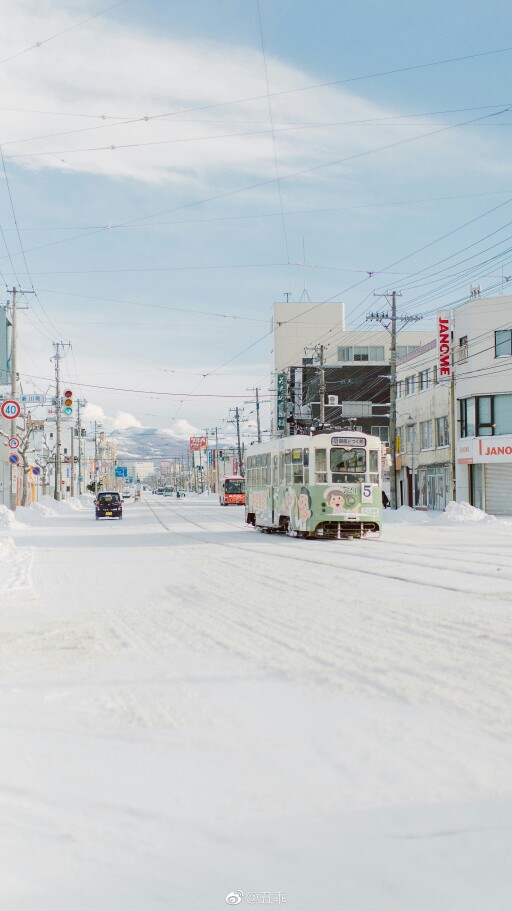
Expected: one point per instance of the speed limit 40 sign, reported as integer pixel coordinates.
(10, 409)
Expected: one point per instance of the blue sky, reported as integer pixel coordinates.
(203, 237)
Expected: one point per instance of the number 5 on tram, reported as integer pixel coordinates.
(323, 486)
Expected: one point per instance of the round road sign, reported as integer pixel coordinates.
(10, 409)
(13, 443)
(36, 471)
(14, 458)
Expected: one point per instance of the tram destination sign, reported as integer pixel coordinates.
(348, 441)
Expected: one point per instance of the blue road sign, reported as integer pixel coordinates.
(121, 471)
(14, 458)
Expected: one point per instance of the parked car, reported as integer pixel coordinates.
(109, 505)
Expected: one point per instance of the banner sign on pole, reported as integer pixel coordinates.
(444, 346)
(197, 443)
(281, 403)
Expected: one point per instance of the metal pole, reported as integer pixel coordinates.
(14, 389)
(72, 456)
(322, 387)
(58, 462)
(258, 426)
(216, 461)
(392, 403)
(413, 478)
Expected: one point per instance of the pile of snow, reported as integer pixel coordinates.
(407, 514)
(464, 513)
(73, 504)
(8, 519)
(37, 511)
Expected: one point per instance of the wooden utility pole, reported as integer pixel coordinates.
(390, 320)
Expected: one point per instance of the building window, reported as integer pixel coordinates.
(503, 342)
(400, 389)
(426, 434)
(424, 379)
(502, 414)
(362, 353)
(484, 416)
(462, 353)
(410, 438)
(443, 431)
(410, 385)
(467, 418)
(381, 431)
(402, 350)
(488, 415)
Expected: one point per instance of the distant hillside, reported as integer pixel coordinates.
(141, 444)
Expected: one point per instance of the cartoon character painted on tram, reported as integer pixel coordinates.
(303, 510)
(340, 501)
(290, 499)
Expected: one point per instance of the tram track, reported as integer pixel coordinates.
(261, 550)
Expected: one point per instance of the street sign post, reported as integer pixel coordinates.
(13, 443)
(36, 471)
(14, 458)
(10, 409)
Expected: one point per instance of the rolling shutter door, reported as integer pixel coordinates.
(498, 490)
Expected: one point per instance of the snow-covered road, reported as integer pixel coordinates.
(191, 708)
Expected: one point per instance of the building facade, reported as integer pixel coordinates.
(454, 434)
(424, 449)
(483, 365)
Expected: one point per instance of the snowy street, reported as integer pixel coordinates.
(190, 708)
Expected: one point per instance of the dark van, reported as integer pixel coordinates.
(109, 504)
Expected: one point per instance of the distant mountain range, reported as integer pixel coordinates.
(143, 444)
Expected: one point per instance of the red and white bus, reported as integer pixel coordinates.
(232, 491)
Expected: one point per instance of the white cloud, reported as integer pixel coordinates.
(126, 73)
(123, 420)
(182, 429)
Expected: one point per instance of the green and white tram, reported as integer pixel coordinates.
(323, 486)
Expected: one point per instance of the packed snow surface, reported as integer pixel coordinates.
(192, 710)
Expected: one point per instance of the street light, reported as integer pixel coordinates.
(411, 424)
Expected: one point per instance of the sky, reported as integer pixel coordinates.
(169, 170)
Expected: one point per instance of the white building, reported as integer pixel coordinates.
(455, 439)
(424, 452)
(483, 347)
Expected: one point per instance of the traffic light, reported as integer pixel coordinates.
(68, 402)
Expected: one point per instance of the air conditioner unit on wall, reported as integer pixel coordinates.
(332, 399)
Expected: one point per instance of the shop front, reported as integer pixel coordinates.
(485, 470)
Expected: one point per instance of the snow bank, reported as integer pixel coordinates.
(36, 511)
(406, 514)
(464, 513)
(73, 504)
(8, 519)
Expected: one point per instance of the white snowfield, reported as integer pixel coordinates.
(194, 714)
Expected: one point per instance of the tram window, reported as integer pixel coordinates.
(268, 478)
(298, 474)
(288, 466)
(348, 465)
(374, 466)
(275, 479)
(281, 467)
(321, 466)
(306, 466)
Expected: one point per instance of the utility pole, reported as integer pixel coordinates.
(391, 320)
(215, 430)
(236, 421)
(57, 492)
(319, 350)
(72, 456)
(80, 447)
(14, 385)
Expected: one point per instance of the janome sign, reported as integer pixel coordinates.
(444, 346)
(484, 449)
